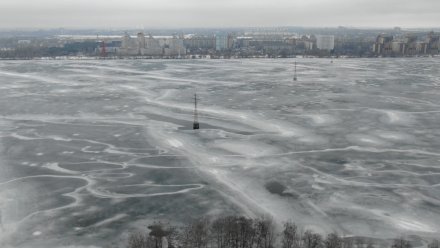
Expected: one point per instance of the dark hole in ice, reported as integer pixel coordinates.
(275, 187)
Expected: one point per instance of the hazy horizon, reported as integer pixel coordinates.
(128, 28)
(47, 14)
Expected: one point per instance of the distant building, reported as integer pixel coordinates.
(305, 44)
(382, 46)
(325, 42)
(223, 42)
(23, 43)
(199, 42)
(421, 47)
(410, 41)
(398, 47)
(173, 46)
(140, 43)
(128, 46)
(152, 46)
(433, 43)
(408, 45)
(111, 47)
(290, 41)
(243, 41)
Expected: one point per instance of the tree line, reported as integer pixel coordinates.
(242, 232)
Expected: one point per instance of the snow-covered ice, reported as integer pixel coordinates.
(90, 150)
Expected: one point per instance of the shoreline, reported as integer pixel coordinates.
(206, 58)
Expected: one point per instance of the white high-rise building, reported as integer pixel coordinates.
(325, 42)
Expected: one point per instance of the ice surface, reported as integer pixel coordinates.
(90, 150)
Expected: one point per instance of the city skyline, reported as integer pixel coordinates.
(197, 13)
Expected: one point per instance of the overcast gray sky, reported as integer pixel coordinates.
(218, 13)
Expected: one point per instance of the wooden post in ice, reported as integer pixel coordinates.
(196, 124)
(294, 75)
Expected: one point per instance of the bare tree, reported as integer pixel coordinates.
(265, 233)
(172, 236)
(348, 242)
(219, 232)
(333, 241)
(244, 232)
(312, 240)
(401, 243)
(290, 236)
(138, 240)
(370, 243)
(360, 242)
(158, 232)
(233, 232)
(195, 234)
(434, 244)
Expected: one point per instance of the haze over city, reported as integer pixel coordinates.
(225, 13)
